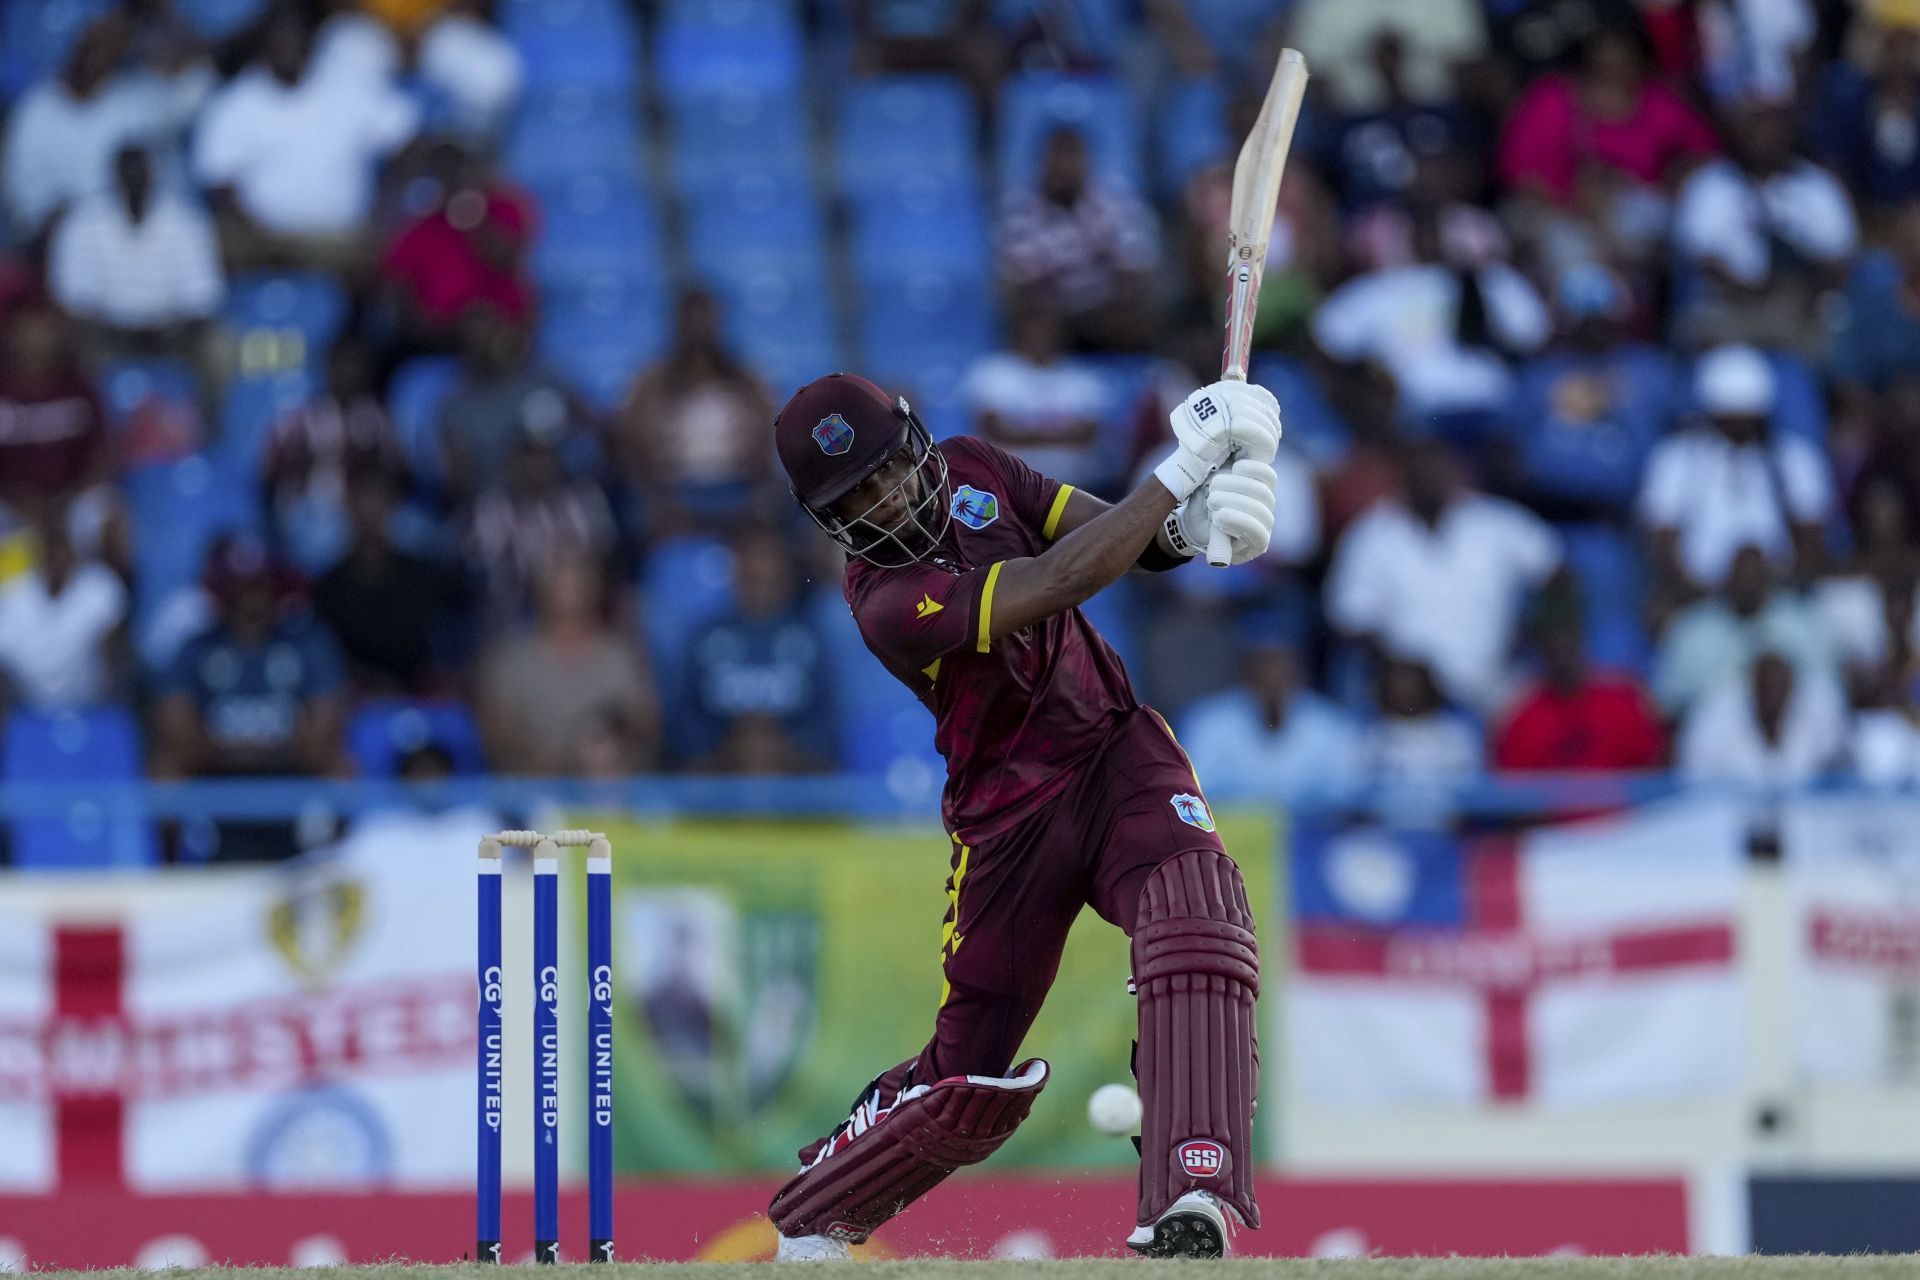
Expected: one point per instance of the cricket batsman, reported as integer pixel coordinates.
(966, 571)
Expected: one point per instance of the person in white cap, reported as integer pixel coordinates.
(1731, 480)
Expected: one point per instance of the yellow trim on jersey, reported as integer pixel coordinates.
(950, 940)
(986, 605)
(1058, 509)
(931, 672)
(1168, 729)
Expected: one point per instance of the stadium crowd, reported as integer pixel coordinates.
(385, 386)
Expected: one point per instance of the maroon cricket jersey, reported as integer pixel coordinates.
(1015, 717)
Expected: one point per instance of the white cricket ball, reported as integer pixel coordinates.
(1114, 1109)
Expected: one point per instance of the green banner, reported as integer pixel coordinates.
(767, 971)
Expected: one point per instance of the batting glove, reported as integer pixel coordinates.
(1239, 501)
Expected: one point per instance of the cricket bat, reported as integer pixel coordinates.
(1256, 189)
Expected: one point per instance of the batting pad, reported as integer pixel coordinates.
(925, 1136)
(1196, 966)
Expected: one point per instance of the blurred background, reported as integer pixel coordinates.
(384, 393)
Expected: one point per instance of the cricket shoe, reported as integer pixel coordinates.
(812, 1249)
(1194, 1226)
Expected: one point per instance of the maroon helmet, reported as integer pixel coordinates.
(838, 430)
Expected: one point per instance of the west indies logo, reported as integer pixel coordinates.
(975, 508)
(833, 435)
(1193, 811)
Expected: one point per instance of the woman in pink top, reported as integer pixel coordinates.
(1607, 116)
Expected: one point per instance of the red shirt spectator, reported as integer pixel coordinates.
(468, 251)
(53, 433)
(1577, 719)
(1608, 115)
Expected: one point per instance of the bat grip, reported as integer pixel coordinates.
(1219, 545)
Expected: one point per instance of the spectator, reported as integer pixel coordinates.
(1268, 735)
(1865, 118)
(1714, 641)
(1774, 728)
(63, 133)
(1414, 736)
(1712, 489)
(1083, 246)
(395, 614)
(62, 627)
(313, 448)
(543, 692)
(1767, 231)
(911, 35)
(476, 70)
(1378, 153)
(1584, 416)
(692, 437)
(758, 679)
(469, 250)
(141, 265)
(1439, 574)
(1604, 135)
(54, 448)
(1878, 341)
(503, 395)
(1575, 718)
(291, 155)
(1442, 323)
(257, 693)
(1752, 48)
(1340, 39)
(1040, 404)
(540, 512)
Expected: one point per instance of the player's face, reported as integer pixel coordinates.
(892, 517)
(885, 497)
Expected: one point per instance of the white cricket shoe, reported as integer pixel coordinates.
(812, 1249)
(1194, 1226)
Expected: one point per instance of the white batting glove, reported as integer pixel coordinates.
(1200, 426)
(1253, 419)
(1239, 501)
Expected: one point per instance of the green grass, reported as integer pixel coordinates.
(1850, 1268)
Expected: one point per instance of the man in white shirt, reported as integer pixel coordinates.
(1714, 641)
(136, 259)
(1732, 482)
(1268, 736)
(1039, 404)
(1439, 575)
(1768, 231)
(63, 131)
(60, 627)
(292, 153)
(1773, 729)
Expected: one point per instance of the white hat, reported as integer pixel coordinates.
(1733, 380)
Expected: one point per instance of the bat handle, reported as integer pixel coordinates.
(1219, 545)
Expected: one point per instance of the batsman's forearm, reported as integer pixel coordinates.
(1100, 552)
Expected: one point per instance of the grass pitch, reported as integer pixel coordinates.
(1906, 1267)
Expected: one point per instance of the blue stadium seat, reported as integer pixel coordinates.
(1034, 104)
(414, 396)
(895, 128)
(718, 137)
(706, 46)
(925, 324)
(284, 318)
(604, 224)
(192, 500)
(686, 580)
(569, 131)
(218, 19)
(35, 36)
(384, 731)
(101, 745)
(1192, 132)
(753, 216)
(600, 337)
(883, 729)
(918, 227)
(583, 44)
(1612, 578)
(254, 405)
(1082, 31)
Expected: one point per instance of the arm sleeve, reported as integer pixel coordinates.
(1663, 496)
(1803, 475)
(914, 617)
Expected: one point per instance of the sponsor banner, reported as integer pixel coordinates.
(1834, 1215)
(301, 1027)
(767, 972)
(1853, 873)
(680, 1219)
(1568, 966)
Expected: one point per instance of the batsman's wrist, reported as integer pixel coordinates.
(1173, 537)
(1183, 472)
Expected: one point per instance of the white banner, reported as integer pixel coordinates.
(1571, 966)
(1853, 872)
(307, 1026)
